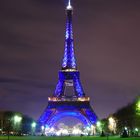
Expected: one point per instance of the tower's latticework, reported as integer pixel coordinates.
(61, 104)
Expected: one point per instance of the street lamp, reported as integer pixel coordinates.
(99, 126)
(17, 121)
(112, 124)
(42, 129)
(125, 128)
(33, 125)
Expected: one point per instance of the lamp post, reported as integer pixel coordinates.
(99, 126)
(112, 124)
(33, 125)
(42, 129)
(17, 121)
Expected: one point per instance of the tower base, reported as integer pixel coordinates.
(78, 108)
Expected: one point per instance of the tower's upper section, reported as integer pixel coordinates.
(69, 76)
(69, 61)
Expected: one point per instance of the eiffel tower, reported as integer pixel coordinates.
(61, 104)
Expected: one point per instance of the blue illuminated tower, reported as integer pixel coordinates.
(61, 104)
(69, 75)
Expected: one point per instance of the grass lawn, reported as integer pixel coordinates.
(65, 138)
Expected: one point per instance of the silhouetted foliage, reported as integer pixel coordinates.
(124, 134)
(26, 124)
(7, 122)
(127, 117)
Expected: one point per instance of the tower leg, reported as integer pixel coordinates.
(59, 91)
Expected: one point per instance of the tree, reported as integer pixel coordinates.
(26, 124)
(102, 126)
(128, 116)
(16, 122)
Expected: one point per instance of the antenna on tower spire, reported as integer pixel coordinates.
(69, 7)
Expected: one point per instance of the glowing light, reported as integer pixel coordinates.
(138, 105)
(69, 70)
(42, 127)
(112, 124)
(111, 120)
(69, 5)
(51, 129)
(126, 128)
(53, 99)
(58, 133)
(17, 119)
(98, 124)
(93, 130)
(33, 125)
(76, 131)
(87, 128)
(136, 129)
(46, 127)
(64, 131)
(83, 99)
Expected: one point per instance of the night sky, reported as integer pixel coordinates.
(107, 48)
